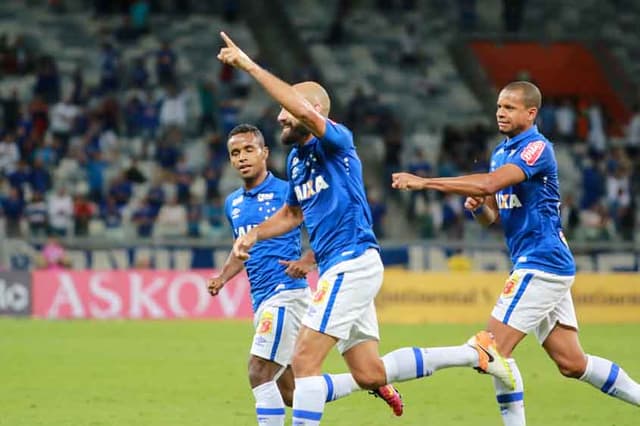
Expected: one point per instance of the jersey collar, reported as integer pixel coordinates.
(253, 191)
(522, 136)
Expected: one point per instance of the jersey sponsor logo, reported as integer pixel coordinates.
(310, 188)
(511, 285)
(295, 161)
(532, 152)
(321, 292)
(237, 201)
(508, 201)
(265, 197)
(244, 230)
(265, 325)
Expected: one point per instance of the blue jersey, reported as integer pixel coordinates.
(248, 209)
(530, 210)
(325, 180)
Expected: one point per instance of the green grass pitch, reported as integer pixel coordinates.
(194, 373)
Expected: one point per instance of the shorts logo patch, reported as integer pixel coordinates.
(321, 292)
(511, 285)
(532, 152)
(265, 326)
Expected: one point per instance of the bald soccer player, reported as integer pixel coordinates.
(326, 192)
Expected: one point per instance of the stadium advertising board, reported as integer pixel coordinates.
(15, 293)
(408, 297)
(137, 294)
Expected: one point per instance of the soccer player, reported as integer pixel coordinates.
(521, 192)
(326, 191)
(279, 292)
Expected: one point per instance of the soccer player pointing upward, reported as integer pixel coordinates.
(326, 191)
(521, 192)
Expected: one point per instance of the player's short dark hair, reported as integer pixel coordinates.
(530, 93)
(247, 128)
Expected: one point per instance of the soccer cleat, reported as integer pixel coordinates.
(489, 359)
(391, 396)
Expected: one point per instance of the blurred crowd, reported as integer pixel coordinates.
(107, 157)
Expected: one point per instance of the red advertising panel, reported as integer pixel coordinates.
(144, 294)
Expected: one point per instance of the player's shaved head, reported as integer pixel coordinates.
(531, 95)
(316, 95)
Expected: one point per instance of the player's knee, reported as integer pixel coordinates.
(259, 373)
(571, 367)
(371, 378)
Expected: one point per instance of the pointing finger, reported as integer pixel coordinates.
(284, 262)
(227, 39)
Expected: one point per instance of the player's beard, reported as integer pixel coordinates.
(294, 134)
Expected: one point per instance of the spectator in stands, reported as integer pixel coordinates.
(596, 136)
(618, 191)
(53, 256)
(566, 121)
(139, 14)
(47, 84)
(173, 112)
(20, 178)
(409, 43)
(13, 211)
(60, 212)
(194, 217)
(109, 68)
(547, 118)
(167, 152)
(133, 173)
(166, 65)
(214, 215)
(143, 217)
(595, 223)
(39, 115)
(139, 76)
(126, 33)
(418, 165)
(378, 212)
(184, 177)
(156, 196)
(111, 215)
(570, 215)
(9, 154)
(40, 178)
(208, 106)
(172, 220)
(633, 133)
(11, 111)
(36, 215)
(83, 211)
(62, 117)
(592, 182)
(120, 190)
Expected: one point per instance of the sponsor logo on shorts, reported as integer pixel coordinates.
(321, 293)
(259, 341)
(511, 285)
(265, 326)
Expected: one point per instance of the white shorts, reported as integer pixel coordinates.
(343, 304)
(277, 322)
(535, 301)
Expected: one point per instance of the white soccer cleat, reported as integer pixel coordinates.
(489, 359)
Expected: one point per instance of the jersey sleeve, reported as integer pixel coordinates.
(336, 137)
(290, 195)
(536, 157)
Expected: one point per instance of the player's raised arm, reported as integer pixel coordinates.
(480, 184)
(285, 94)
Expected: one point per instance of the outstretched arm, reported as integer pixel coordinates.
(476, 185)
(283, 221)
(282, 92)
(483, 209)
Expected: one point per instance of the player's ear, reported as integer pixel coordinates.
(265, 152)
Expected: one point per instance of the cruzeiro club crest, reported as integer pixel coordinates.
(265, 325)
